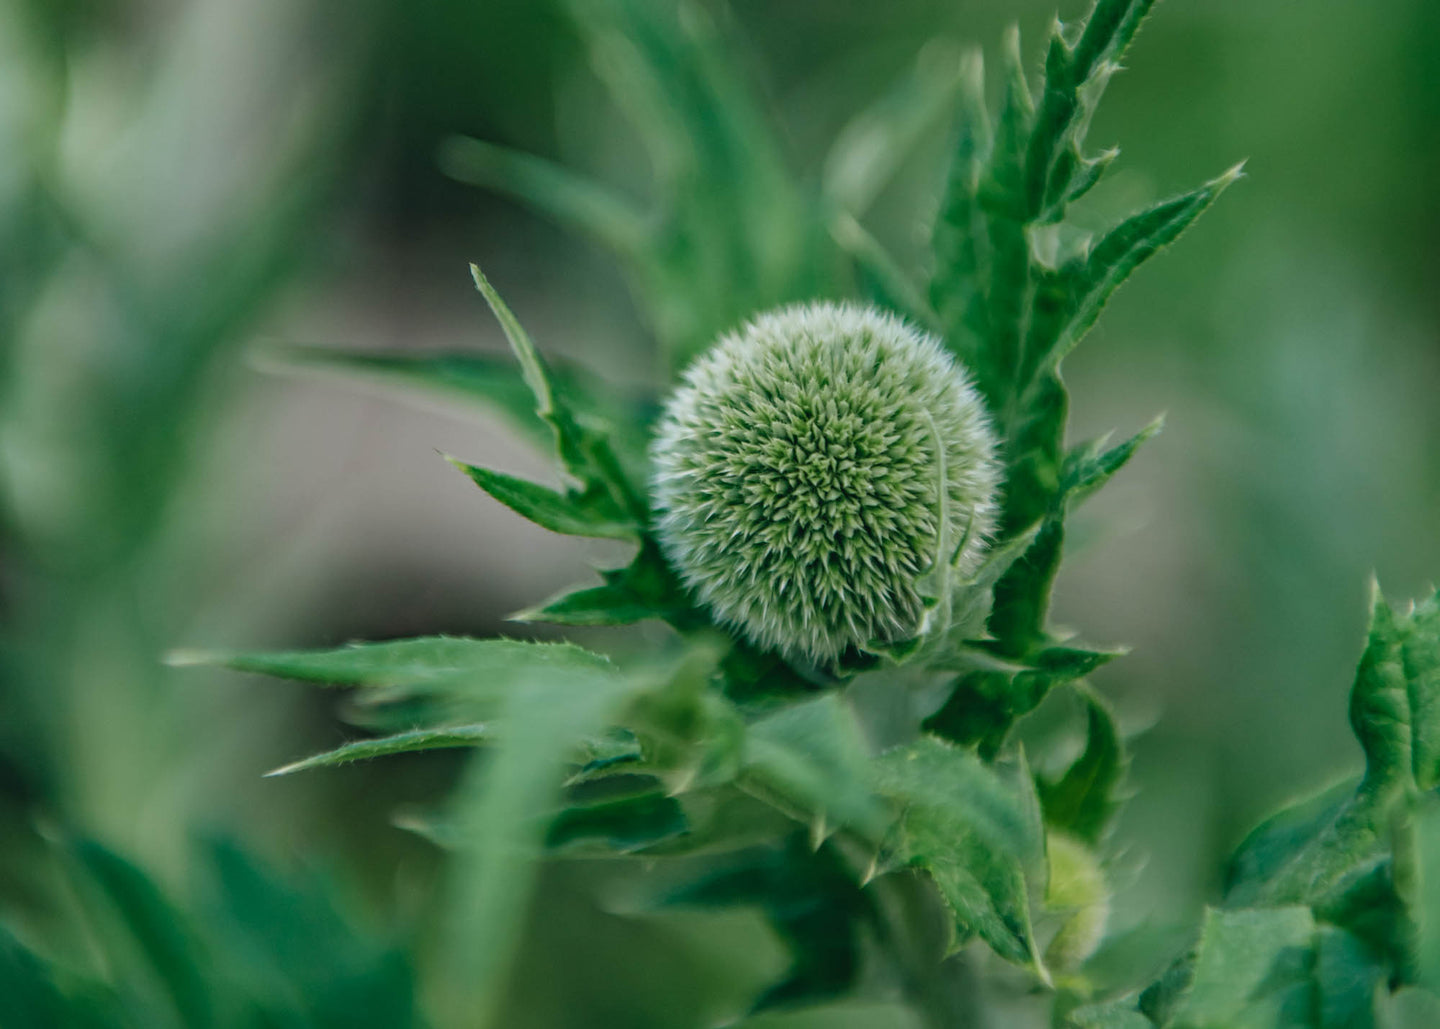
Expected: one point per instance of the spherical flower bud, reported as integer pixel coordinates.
(798, 477)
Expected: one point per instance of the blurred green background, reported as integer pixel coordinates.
(183, 181)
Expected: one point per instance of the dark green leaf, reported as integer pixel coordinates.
(1082, 802)
(810, 897)
(591, 514)
(400, 743)
(645, 588)
(30, 998)
(169, 949)
(620, 826)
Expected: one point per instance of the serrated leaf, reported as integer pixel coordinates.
(984, 705)
(1059, 122)
(1088, 468)
(975, 833)
(1078, 292)
(644, 589)
(1082, 801)
(812, 758)
(399, 743)
(591, 514)
(584, 451)
(1395, 704)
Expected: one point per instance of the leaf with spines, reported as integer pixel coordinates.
(976, 833)
(584, 450)
(572, 514)
(399, 743)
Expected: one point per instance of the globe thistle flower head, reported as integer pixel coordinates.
(798, 477)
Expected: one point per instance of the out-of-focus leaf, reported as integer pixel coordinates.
(1082, 801)
(288, 944)
(30, 997)
(977, 834)
(542, 720)
(871, 147)
(170, 950)
(812, 758)
(618, 826)
(571, 513)
(400, 743)
(565, 196)
(431, 663)
(810, 897)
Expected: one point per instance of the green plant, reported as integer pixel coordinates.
(756, 774)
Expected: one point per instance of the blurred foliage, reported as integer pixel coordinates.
(166, 168)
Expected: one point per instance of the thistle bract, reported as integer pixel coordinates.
(809, 469)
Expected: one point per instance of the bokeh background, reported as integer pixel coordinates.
(185, 182)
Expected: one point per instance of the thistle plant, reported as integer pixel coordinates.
(879, 493)
(812, 467)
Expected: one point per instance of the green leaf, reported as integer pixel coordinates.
(479, 668)
(1261, 968)
(812, 758)
(1395, 704)
(976, 834)
(565, 196)
(32, 1000)
(273, 928)
(984, 705)
(619, 825)
(400, 743)
(1424, 906)
(810, 897)
(871, 147)
(490, 382)
(1082, 801)
(1075, 294)
(584, 451)
(547, 714)
(1088, 468)
(1066, 102)
(161, 937)
(571, 513)
(646, 588)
